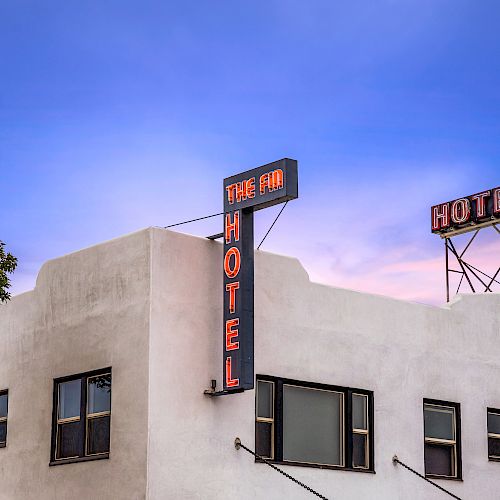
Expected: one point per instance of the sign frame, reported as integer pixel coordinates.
(244, 194)
(466, 214)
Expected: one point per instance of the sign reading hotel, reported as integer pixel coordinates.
(466, 214)
(245, 193)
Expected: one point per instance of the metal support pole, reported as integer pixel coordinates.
(447, 272)
(459, 260)
(468, 271)
(493, 279)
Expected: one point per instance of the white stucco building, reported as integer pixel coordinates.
(143, 313)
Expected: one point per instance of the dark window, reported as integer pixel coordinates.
(82, 411)
(4, 407)
(314, 424)
(360, 434)
(265, 419)
(493, 434)
(442, 449)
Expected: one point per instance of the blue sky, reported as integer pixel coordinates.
(119, 115)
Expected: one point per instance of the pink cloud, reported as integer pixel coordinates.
(403, 277)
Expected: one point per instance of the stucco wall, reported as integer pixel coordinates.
(96, 308)
(403, 352)
(89, 310)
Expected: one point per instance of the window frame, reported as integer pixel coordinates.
(492, 435)
(342, 429)
(363, 432)
(83, 418)
(267, 420)
(455, 443)
(95, 415)
(346, 423)
(5, 392)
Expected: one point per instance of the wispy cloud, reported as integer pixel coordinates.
(135, 120)
(400, 275)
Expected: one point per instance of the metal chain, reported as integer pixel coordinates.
(238, 444)
(396, 460)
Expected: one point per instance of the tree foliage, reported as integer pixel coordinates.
(8, 264)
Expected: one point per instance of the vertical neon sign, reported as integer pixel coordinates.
(243, 194)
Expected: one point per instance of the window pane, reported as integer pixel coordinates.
(69, 399)
(494, 447)
(99, 394)
(3, 432)
(263, 439)
(265, 399)
(312, 426)
(359, 411)
(3, 404)
(438, 422)
(69, 438)
(439, 459)
(359, 457)
(98, 437)
(493, 423)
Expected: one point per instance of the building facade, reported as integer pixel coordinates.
(103, 368)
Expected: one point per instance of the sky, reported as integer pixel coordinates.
(119, 115)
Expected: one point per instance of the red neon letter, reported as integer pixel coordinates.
(496, 201)
(230, 334)
(460, 211)
(277, 182)
(264, 182)
(230, 382)
(232, 227)
(440, 216)
(241, 192)
(231, 288)
(230, 193)
(231, 273)
(481, 203)
(251, 187)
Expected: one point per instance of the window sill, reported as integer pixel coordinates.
(490, 459)
(3, 445)
(446, 478)
(318, 466)
(79, 459)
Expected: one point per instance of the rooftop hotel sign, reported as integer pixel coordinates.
(466, 214)
(245, 193)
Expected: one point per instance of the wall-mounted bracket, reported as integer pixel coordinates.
(213, 393)
(215, 236)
